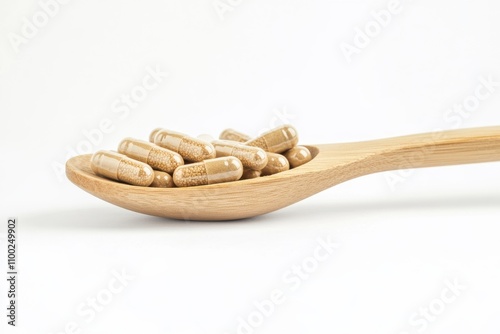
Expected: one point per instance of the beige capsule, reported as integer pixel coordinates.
(210, 171)
(191, 149)
(277, 140)
(297, 156)
(251, 157)
(250, 174)
(230, 134)
(119, 167)
(162, 180)
(276, 163)
(157, 157)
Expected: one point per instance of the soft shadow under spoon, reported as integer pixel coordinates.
(332, 164)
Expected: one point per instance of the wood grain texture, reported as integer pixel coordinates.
(332, 164)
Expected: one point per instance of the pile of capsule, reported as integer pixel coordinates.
(172, 159)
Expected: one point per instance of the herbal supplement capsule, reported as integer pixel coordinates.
(153, 133)
(191, 149)
(157, 157)
(162, 180)
(276, 163)
(230, 134)
(119, 167)
(297, 156)
(277, 140)
(250, 174)
(208, 172)
(251, 157)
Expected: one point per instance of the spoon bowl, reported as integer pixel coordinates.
(331, 164)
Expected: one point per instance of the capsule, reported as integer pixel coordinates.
(157, 157)
(162, 180)
(276, 163)
(250, 174)
(191, 149)
(210, 171)
(251, 157)
(119, 167)
(297, 156)
(277, 140)
(230, 134)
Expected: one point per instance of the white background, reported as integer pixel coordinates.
(255, 65)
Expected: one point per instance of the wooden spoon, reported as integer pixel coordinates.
(331, 165)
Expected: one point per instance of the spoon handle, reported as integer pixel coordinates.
(440, 148)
